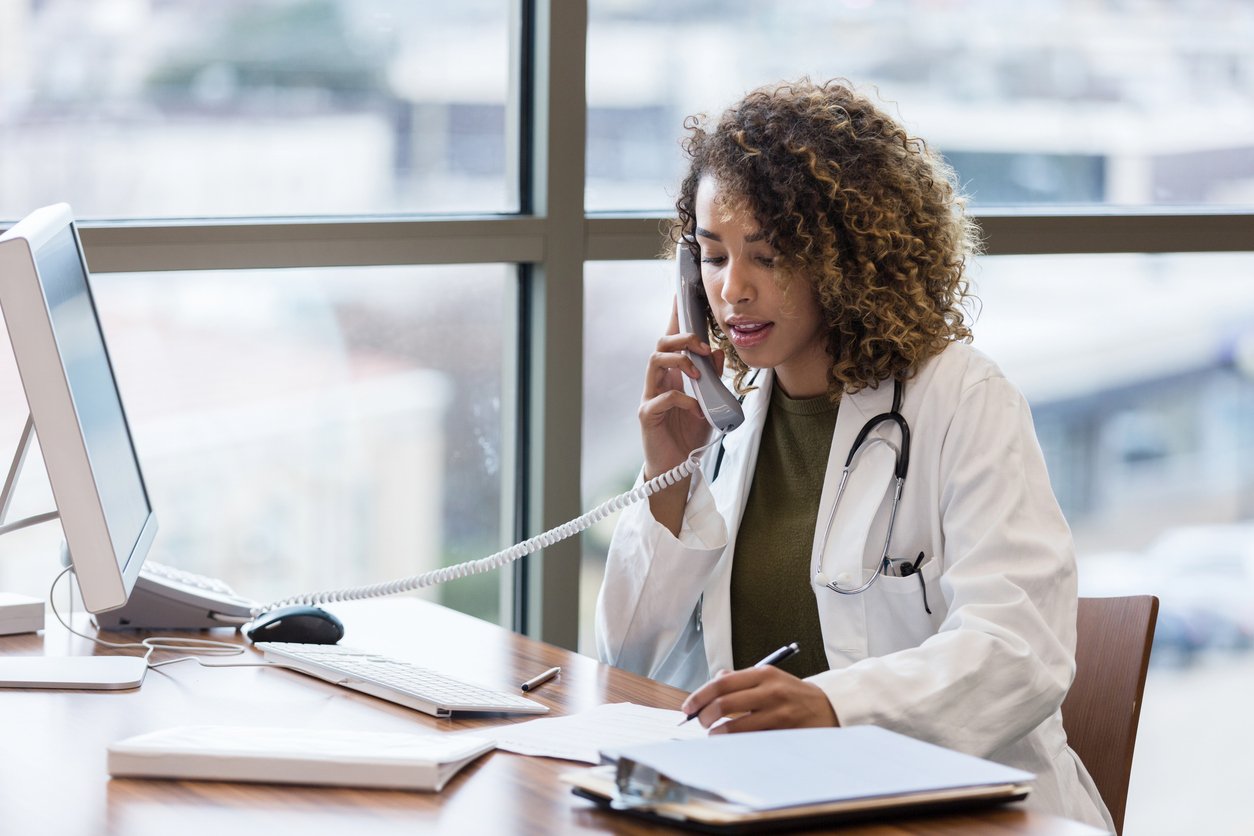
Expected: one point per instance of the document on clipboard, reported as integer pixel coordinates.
(741, 783)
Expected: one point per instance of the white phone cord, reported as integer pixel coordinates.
(502, 558)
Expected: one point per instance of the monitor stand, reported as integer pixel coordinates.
(80, 673)
(10, 482)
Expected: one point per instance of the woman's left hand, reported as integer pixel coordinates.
(760, 698)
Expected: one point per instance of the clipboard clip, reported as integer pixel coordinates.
(641, 787)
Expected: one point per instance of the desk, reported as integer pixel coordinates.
(52, 744)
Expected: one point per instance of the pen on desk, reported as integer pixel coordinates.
(537, 681)
(773, 658)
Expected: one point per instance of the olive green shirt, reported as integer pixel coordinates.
(772, 603)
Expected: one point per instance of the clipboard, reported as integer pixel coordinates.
(783, 780)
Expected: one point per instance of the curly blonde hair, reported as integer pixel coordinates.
(866, 214)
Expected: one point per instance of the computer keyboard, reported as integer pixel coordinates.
(394, 680)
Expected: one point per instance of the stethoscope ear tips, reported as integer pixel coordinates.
(822, 579)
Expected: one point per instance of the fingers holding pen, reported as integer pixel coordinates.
(759, 698)
(712, 701)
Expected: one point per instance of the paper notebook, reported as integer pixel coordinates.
(744, 782)
(329, 757)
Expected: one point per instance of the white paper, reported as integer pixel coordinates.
(581, 737)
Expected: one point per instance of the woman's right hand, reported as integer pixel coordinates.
(671, 422)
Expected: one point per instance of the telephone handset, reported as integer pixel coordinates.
(719, 406)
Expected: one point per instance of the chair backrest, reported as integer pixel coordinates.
(1103, 707)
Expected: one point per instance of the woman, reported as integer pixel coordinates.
(832, 250)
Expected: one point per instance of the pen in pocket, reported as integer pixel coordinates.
(908, 569)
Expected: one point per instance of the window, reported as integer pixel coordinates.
(626, 307)
(1032, 103)
(282, 107)
(303, 430)
(1138, 372)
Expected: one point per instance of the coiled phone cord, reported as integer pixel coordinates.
(502, 558)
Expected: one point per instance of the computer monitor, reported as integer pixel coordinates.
(77, 413)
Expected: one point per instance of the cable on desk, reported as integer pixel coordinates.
(208, 647)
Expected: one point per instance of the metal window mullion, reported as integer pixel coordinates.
(516, 360)
(1008, 232)
(234, 245)
(1036, 232)
(553, 291)
(118, 248)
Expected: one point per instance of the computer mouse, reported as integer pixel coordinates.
(299, 623)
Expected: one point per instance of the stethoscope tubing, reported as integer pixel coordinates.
(885, 561)
(900, 466)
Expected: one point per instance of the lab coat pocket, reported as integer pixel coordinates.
(895, 613)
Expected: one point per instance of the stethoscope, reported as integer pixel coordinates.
(901, 462)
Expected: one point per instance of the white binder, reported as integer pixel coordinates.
(741, 782)
(330, 757)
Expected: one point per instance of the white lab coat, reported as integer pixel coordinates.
(986, 672)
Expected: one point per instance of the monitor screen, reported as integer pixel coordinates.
(83, 434)
(76, 329)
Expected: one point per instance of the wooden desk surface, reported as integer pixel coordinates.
(52, 744)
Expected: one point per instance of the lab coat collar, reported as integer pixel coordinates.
(741, 445)
(865, 405)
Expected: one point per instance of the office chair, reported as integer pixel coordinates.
(1103, 707)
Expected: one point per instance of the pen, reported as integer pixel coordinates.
(773, 658)
(537, 681)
